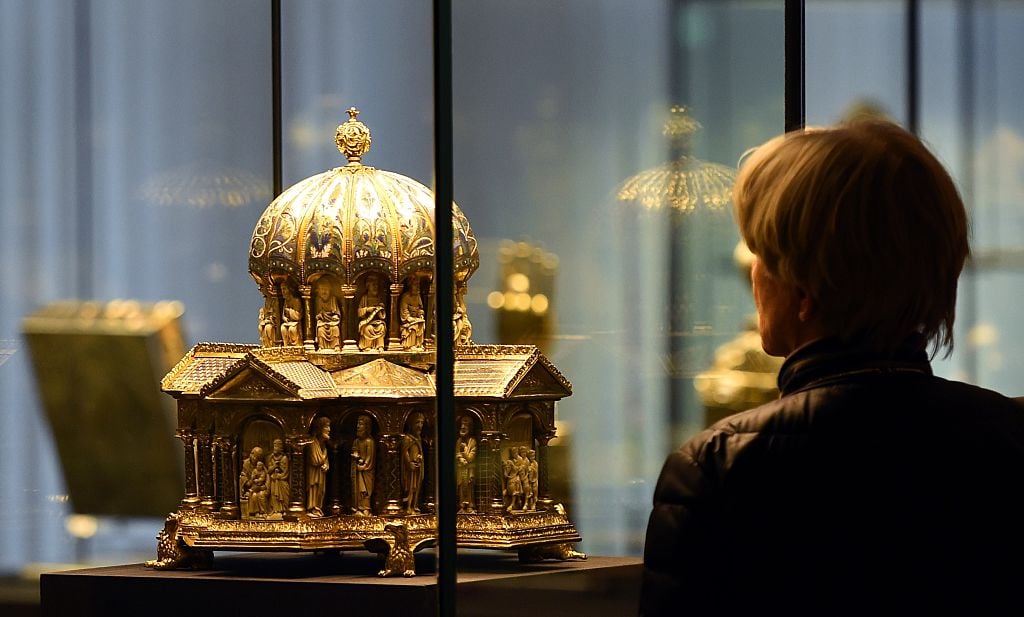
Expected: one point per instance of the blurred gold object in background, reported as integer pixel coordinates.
(98, 367)
(743, 376)
(685, 183)
(524, 297)
(205, 184)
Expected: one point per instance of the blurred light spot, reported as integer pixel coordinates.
(518, 282)
(539, 304)
(495, 300)
(982, 334)
(81, 525)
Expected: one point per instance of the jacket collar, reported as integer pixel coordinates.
(829, 358)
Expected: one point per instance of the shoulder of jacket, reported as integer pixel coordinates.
(733, 432)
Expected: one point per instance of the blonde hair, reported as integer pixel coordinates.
(866, 221)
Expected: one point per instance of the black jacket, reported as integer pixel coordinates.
(869, 486)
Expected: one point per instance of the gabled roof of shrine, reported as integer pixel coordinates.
(302, 377)
(481, 371)
(204, 365)
(507, 371)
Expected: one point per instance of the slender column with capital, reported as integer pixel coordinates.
(544, 501)
(191, 499)
(489, 471)
(391, 492)
(429, 477)
(228, 477)
(429, 331)
(395, 327)
(337, 463)
(350, 320)
(308, 329)
(297, 477)
(206, 472)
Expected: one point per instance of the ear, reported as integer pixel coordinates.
(808, 307)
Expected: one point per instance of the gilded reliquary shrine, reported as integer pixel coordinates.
(320, 438)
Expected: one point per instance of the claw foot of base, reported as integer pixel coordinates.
(560, 552)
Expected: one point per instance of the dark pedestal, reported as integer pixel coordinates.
(491, 584)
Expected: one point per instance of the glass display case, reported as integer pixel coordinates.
(592, 146)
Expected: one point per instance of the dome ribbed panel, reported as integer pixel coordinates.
(322, 238)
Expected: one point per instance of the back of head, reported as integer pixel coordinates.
(866, 221)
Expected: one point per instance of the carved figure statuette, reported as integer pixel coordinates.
(363, 451)
(512, 470)
(461, 325)
(291, 314)
(465, 472)
(372, 327)
(328, 317)
(266, 328)
(412, 315)
(259, 493)
(277, 464)
(412, 464)
(531, 480)
(316, 468)
(245, 478)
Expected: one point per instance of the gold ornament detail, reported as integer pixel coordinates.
(353, 138)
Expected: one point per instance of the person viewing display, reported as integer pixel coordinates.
(870, 485)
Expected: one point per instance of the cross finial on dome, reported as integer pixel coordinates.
(353, 138)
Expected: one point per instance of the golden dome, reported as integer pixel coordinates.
(350, 222)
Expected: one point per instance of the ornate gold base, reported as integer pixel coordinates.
(189, 537)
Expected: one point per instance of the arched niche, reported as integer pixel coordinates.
(256, 449)
(520, 463)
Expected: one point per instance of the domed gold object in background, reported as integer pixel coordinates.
(319, 438)
(684, 183)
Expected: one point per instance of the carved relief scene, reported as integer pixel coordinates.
(519, 466)
(263, 478)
